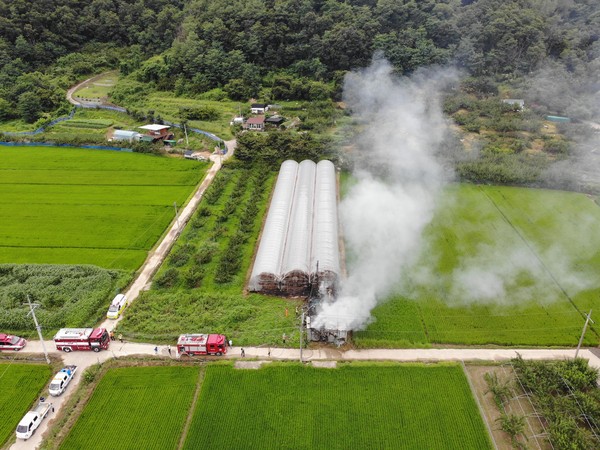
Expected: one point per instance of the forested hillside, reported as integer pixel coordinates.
(296, 49)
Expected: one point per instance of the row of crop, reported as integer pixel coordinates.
(567, 395)
(218, 236)
(231, 260)
(68, 295)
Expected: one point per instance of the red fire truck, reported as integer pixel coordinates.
(202, 344)
(69, 339)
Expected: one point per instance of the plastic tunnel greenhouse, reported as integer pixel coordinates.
(299, 249)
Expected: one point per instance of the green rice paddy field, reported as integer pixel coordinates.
(500, 265)
(21, 385)
(283, 406)
(81, 206)
(135, 408)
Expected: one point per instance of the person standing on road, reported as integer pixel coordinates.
(169, 349)
(230, 343)
(112, 335)
(121, 338)
(243, 353)
(156, 350)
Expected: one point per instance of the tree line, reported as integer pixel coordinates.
(298, 48)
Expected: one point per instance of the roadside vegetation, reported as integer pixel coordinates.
(21, 386)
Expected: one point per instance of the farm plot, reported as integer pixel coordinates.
(136, 407)
(68, 295)
(501, 265)
(78, 206)
(200, 285)
(21, 385)
(370, 406)
(169, 107)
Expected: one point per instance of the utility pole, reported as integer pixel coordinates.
(187, 143)
(587, 320)
(32, 307)
(176, 214)
(301, 332)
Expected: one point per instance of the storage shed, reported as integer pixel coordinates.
(126, 135)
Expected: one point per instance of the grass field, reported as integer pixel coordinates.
(21, 385)
(99, 88)
(501, 265)
(134, 408)
(200, 285)
(80, 206)
(292, 406)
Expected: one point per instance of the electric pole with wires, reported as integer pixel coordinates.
(32, 307)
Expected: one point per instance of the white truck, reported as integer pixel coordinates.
(61, 380)
(33, 418)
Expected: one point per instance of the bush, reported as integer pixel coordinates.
(168, 279)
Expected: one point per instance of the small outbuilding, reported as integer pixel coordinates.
(255, 124)
(259, 108)
(157, 132)
(274, 120)
(126, 135)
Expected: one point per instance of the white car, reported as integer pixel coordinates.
(116, 307)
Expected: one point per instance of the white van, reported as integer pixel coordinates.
(116, 307)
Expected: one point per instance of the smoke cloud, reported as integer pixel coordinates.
(398, 179)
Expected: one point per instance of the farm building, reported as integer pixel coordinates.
(156, 132)
(274, 120)
(255, 123)
(259, 108)
(299, 249)
(126, 135)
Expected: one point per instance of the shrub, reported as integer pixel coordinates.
(168, 278)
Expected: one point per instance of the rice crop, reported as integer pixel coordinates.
(354, 406)
(21, 386)
(81, 206)
(135, 408)
(500, 265)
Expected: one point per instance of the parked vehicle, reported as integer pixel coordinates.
(202, 344)
(61, 380)
(10, 342)
(69, 339)
(116, 307)
(31, 421)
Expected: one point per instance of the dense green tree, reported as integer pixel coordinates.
(29, 107)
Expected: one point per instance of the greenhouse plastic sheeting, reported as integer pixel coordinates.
(267, 265)
(300, 236)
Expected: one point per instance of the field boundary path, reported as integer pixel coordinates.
(117, 349)
(158, 255)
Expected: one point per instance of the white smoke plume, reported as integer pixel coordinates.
(398, 180)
